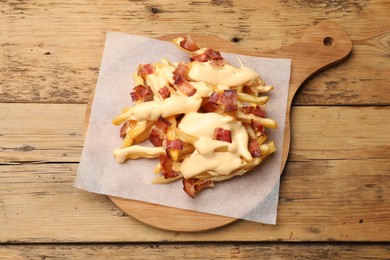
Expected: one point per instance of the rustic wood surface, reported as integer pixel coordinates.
(334, 198)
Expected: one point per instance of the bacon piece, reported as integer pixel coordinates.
(184, 86)
(157, 133)
(212, 103)
(229, 100)
(213, 54)
(188, 187)
(176, 144)
(156, 136)
(218, 62)
(215, 57)
(135, 97)
(164, 92)
(188, 44)
(181, 70)
(209, 106)
(253, 110)
(145, 69)
(192, 186)
(221, 134)
(141, 92)
(179, 76)
(123, 131)
(215, 97)
(200, 57)
(166, 163)
(254, 148)
(201, 184)
(256, 125)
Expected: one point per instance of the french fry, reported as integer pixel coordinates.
(262, 89)
(135, 129)
(137, 151)
(243, 97)
(266, 122)
(185, 137)
(171, 135)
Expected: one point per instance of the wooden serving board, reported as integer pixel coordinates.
(321, 47)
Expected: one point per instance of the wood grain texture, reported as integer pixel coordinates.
(199, 251)
(51, 51)
(320, 200)
(309, 55)
(335, 187)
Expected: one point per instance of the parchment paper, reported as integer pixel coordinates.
(253, 196)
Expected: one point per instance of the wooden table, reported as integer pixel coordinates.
(335, 189)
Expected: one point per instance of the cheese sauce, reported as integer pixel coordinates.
(226, 75)
(173, 105)
(206, 158)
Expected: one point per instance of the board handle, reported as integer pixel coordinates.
(322, 46)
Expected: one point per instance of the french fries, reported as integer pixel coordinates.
(206, 119)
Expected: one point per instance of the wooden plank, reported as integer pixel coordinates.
(41, 133)
(198, 251)
(51, 51)
(53, 133)
(320, 200)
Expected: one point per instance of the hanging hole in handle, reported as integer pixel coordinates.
(328, 41)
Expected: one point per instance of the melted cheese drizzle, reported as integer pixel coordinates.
(204, 78)
(173, 105)
(226, 75)
(205, 158)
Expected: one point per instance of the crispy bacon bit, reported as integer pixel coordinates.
(188, 44)
(229, 100)
(163, 123)
(257, 126)
(164, 92)
(179, 76)
(215, 57)
(181, 70)
(218, 62)
(200, 57)
(123, 131)
(145, 69)
(167, 166)
(253, 110)
(209, 106)
(212, 103)
(254, 148)
(221, 134)
(192, 186)
(184, 86)
(141, 92)
(135, 97)
(213, 54)
(176, 144)
(215, 97)
(156, 136)
(157, 133)
(201, 184)
(188, 187)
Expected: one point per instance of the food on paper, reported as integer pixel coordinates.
(205, 118)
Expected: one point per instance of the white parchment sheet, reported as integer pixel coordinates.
(253, 196)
